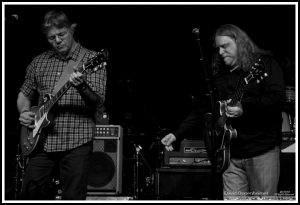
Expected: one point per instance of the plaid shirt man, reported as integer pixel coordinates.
(73, 120)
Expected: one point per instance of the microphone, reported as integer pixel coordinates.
(195, 31)
(13, 17)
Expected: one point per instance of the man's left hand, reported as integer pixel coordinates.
(76, 78)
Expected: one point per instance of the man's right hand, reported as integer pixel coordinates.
(168, 140)
(27, 119)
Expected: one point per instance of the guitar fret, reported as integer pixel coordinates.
(61, 92)
(238, 93)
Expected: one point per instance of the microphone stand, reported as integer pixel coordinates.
(136, 188)
(207, 80)
(209, 94)
(156, 143)
(19, 172)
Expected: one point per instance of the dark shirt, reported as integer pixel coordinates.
(259, 127)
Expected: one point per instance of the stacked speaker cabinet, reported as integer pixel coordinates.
(105, 172)
(187, 184)
(187, 174)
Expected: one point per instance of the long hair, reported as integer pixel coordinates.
(247, 50)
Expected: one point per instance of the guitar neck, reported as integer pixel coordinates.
(95, 63)
(238, 94)
(49, 104)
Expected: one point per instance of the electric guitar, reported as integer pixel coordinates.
(223, 130)
(32, 138)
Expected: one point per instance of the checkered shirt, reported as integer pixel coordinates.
(73, 120)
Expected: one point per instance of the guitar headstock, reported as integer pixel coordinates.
(257, 71)
(97, 62)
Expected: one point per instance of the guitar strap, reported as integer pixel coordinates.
(64, 78)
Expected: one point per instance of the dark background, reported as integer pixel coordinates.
(153, 68)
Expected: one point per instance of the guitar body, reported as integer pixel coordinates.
(222, 126)
(32, 138)
(224, 134)
(222, 159)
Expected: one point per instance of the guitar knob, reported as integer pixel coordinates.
(30, 141)
(25, 145)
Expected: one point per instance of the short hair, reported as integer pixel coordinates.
(55, 18)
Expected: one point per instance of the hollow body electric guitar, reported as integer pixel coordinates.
(223, 130)
(30, 139)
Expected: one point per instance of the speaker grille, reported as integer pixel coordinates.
(102, 170)
(107, 145)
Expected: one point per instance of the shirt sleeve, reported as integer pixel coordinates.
(97, 80)
(195, 120)
(29, 86)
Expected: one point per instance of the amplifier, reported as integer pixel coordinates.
(288, 142)
(105, 172)
(191, 153)
(183, 183)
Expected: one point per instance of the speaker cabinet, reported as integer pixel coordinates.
(105, 172)
(187, 184)
(287, 179)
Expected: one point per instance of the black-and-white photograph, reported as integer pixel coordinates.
(160, 102)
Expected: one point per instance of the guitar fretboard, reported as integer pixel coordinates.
(49, 104)
(254, 72)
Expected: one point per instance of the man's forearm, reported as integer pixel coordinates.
(88, 95)
(23, 103)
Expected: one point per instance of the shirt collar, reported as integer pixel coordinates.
(233, 69)
(74, 55)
